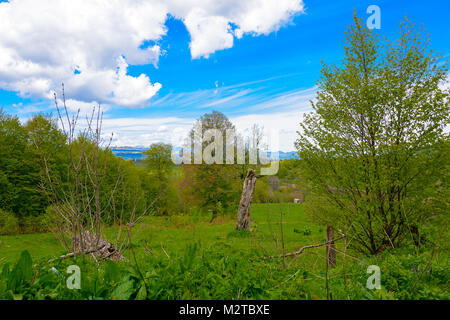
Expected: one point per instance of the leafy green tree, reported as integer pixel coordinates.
(158, 159)
(159, 168)
(372, 151)
(212, 186)
(12, 142)
(44, 141)
(20, 167)
(19, 170)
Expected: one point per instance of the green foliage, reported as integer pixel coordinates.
(20, 277)
(210, 273)
(205, 185)
(374, 148)
(263, 193)
(289, 170)
(159, 181)
(19, 174)
(29, 150)
(158, 159)
(399, 269)
(9, 224)
(306, 232)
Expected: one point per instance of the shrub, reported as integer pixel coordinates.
(9, 224)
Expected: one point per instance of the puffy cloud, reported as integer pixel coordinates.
(213, 24)
(208, 33)
(88, 44)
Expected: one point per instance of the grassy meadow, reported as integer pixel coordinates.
(189, 257)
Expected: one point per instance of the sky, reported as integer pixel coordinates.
(157, 65)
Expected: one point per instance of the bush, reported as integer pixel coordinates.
(9, 224)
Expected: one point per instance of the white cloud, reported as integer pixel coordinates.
(213, 24)
(88, 44)
(208, 33)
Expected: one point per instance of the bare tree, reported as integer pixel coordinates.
(81, 215)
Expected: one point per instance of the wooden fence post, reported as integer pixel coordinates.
(331, 252)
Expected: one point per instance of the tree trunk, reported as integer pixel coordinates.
(331, 252)
(214, 216)
(243, 220)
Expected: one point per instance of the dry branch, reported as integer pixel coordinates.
(300, 251)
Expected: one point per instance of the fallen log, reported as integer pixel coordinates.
(88, 243)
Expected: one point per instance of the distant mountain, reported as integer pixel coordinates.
(129, 153)
(286, 155)
(136, 153)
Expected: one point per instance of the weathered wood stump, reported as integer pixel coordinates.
(99, 248)
(243, 219)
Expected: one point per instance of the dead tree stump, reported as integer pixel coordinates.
(331, 252)
(243, 220)
(99, 248)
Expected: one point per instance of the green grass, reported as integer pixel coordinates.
(171, 232)
(194, 259)
(39, 245)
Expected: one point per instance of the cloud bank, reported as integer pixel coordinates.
(89, 44)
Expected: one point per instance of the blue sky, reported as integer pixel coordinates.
(265, 78)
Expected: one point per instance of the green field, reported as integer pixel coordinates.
(192, 258)
(172, 232)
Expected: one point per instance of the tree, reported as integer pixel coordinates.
(372, 150)
(158, 159)
(19, 170)
(158, 162)
(96, 191)
(211, 186)
(12, 172)
(44, 140)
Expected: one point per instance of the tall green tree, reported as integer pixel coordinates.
(159, 165)
(158, 160)
(44, 141)
(20, 169)
(212, 186)
(13, 174)
(372, 151)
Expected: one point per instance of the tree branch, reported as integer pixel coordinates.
(300, 251)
